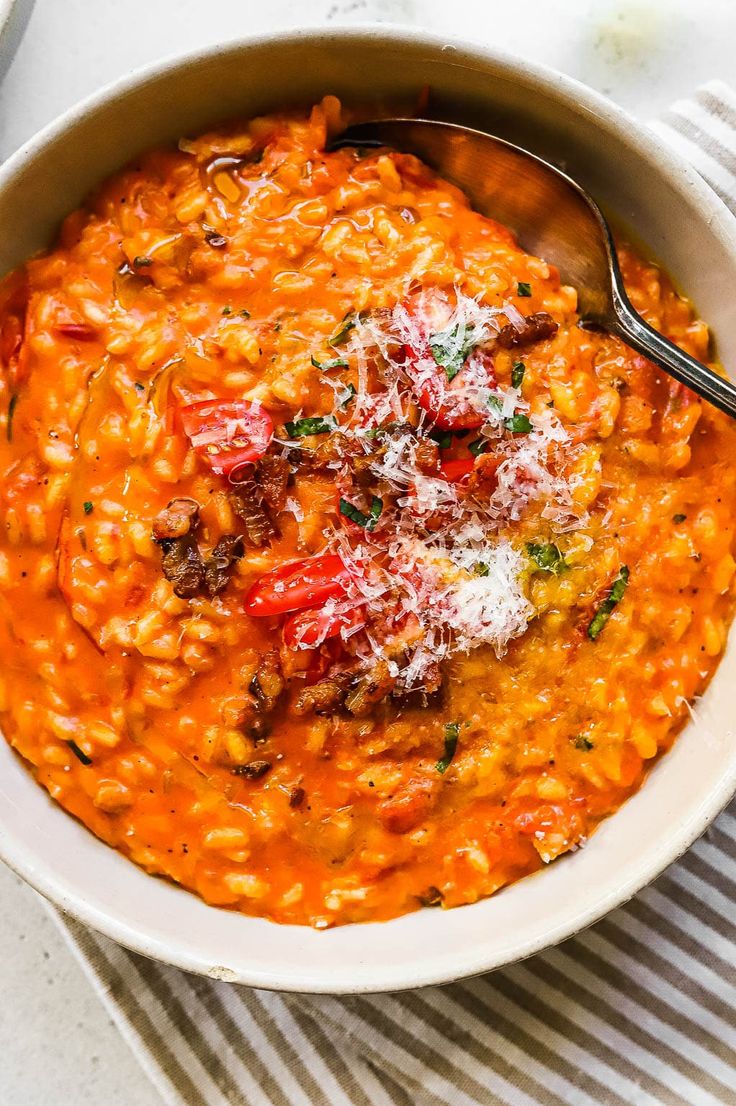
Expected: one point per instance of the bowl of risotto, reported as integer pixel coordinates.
(349, 585)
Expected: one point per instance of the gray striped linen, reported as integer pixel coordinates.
(640, 1009)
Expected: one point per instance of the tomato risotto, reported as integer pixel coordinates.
(343, 571)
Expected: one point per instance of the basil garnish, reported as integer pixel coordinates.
(547, 557)
(335, 363)
(317, 424)
(616, 594)
(452, 732)
(368, 521)
(451, 347)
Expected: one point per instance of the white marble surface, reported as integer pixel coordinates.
(57, 1047)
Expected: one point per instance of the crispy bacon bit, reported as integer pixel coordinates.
(268, 683)
(483, 476)
(331, 453)
(266, 688)
(427, 457)
(253, 770)
(181, 562)
(536, 327)
(174, 529)
(219, 564)
(176, 520)
(247, 502)
(356, 690)
(370, 689)
(182, 565)
(260, 496)
(296, 797)
(272, 476)
(326, 696)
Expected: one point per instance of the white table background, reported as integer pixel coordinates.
(57, 1047)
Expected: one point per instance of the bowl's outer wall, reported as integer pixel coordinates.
(684, 225)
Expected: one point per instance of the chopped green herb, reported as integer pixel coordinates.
(12, 403)
(366, 521)
(451, 347)
(478, 446)
(142, 262)
(348, 324)
(518, 424)
(227, 310)
(349, 511)
(523, 289)
(245, 314)
(302, 428)
(277, 328)
(139, 387)
(679, 518)
(78, 753)
(347, 396)
(379, 431)
(547, 557)
(442, 437)
(88, 507)
(481, 569)
(616, 594)
(452, 732)
(335, 363)
(517, 373)
(583, 744)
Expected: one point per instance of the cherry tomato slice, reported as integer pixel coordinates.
(445, 401)
(227, 433)
(299, 584)
(308, 629)
(457, 472)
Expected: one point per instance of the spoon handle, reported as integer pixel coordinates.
(643, 338)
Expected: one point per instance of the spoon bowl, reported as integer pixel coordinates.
(553, 218)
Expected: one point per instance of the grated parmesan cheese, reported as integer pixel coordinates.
(439, 574)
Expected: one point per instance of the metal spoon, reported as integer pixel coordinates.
(553, 218)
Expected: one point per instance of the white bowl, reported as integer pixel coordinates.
(683, 224)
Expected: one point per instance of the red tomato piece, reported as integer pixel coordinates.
(299, 584)
(78, 331)
(446, 401)
(70, 324)
(308, 629)
(227, 433)
(457, 472)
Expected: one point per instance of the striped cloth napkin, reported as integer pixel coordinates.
(640, 1010)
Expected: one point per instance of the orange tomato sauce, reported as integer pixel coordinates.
(219, 271)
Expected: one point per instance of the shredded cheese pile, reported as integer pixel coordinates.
(438, 572)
